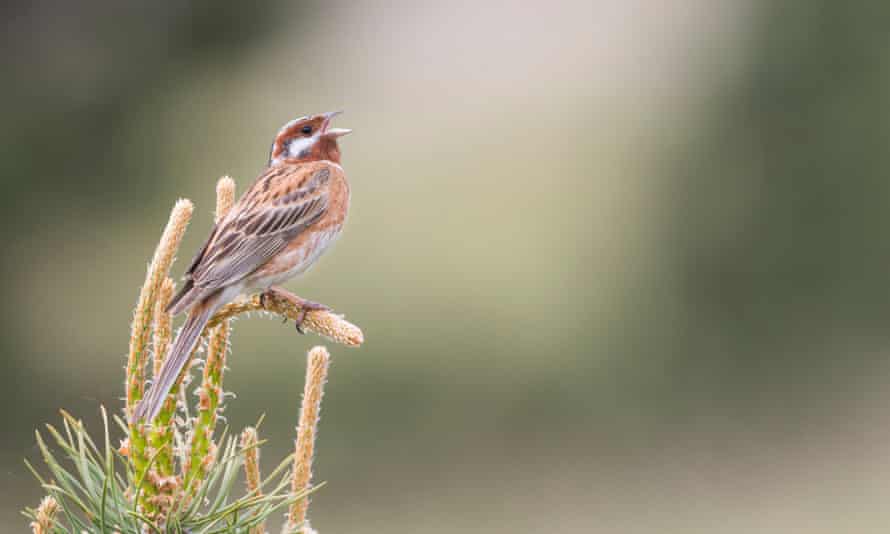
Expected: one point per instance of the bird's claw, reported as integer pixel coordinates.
(305, 307)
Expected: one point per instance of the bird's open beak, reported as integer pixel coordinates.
(338, 132)
(333, 132)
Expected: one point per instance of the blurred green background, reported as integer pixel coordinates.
(619, 265)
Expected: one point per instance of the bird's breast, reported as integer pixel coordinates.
(305, 249)
(297, 257)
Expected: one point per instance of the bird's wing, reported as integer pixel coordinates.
(279, 205)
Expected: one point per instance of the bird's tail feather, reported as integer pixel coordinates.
(179, 301)
(176, 360)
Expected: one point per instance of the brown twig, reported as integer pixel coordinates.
(250, 446)
(322, 322)
(45, 516)
(211, 396)
(157, 271)
(139, 336)
(316, 375)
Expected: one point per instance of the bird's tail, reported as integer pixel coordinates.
(176, 360)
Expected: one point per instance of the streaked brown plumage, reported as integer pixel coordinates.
(281, 225)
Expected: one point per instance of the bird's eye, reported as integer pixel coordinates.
(307, 130)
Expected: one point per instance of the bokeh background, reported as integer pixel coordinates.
(621, 265)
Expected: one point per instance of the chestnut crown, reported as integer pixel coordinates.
(307, 139)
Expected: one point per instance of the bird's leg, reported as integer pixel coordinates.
(299, 302)
(265, 296)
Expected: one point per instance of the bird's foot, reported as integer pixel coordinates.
(307, 306)
(304, 305)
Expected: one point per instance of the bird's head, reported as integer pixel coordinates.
(307, 139)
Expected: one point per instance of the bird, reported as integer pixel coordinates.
(288, 217)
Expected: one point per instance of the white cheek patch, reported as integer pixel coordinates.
(297, 146)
